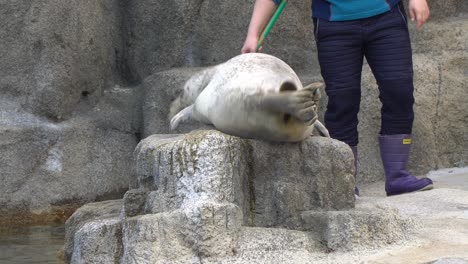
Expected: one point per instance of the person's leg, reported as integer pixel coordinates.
(388, 52)
(340, 53)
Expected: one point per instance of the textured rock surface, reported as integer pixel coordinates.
(447, 9)
(441, 214)
(53, 51)
(430, 227)
(89, 156)
(222, 26)
(206, 197)
(67, 131)
(450, 261)
(81, 233)
(270, 182)
(102, 238)
(195, 33)
(368, 226)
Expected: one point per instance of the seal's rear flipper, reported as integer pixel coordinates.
(191, 90)
(184, 115)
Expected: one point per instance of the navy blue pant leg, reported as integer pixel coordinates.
(341, 52)
(388, 52)
(384, 40)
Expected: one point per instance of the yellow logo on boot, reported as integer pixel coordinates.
(407, 141)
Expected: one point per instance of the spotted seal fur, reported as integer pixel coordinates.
(252, 95)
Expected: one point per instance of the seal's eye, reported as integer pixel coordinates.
(286, 118)
(287, 86)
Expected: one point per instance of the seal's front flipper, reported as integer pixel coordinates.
(315, 89)
(299, 104)
(182, 116)
(323, 131)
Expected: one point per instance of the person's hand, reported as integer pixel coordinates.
(250, 45)
(419, 11)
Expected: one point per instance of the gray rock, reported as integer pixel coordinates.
(48, 164)
(274, 245)
(450, 261)
(103, 215)
(446, 9)
(222, 26)
(204, 186)
(66, 131)
(54, 52)
(423, 227)
(451, 203)
(271, 183)
(452, 110)
(155, 239)
(204, 229)
(440, 37)
(367, 227)
(196, 191)
(134, 202)
(202, 33)
(101, 237)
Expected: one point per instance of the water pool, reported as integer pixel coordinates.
(32, 245)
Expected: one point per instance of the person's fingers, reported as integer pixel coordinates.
(412, 14)
(419, 14)
(420, 19)
(247, 50)
(426, 16)
(250, 45)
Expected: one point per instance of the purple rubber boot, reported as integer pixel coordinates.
(355, 154)
(394, 150)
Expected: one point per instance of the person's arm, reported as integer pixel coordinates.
(419, 11)
(263, 10)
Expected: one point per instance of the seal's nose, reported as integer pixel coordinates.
(286, 118)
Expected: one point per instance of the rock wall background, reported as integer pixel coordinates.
(81, 81)
(69, 120)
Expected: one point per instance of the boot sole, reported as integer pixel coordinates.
(427, 188)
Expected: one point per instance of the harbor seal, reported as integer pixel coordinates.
(252, 95)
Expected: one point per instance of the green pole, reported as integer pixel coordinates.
(272, 22)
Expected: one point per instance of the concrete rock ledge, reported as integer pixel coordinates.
(209, 197)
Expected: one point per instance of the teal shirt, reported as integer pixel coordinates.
(341, 10)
